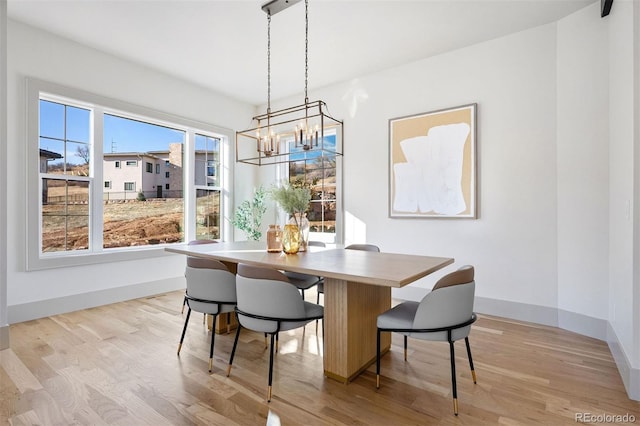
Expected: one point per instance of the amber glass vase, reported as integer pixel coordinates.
(290, 239)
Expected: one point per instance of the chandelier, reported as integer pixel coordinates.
(297, 133)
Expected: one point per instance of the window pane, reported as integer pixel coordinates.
(207, 214)
(152, 214)
(64, 139)
(65, 215)
(207, 161)
(51, 119)
(78, 123)
(319, 174)
(77, 156)
(51, 156)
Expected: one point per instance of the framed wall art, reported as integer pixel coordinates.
(432, 164)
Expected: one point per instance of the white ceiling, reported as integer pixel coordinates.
(222, 44)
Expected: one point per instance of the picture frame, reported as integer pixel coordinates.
(432, 164)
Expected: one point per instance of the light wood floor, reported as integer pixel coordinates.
(117, 365)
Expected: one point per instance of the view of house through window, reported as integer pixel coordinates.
(137, 209)
(65, 146)
(138, 169)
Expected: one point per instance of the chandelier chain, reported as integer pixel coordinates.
(268, 62)
(306, 50)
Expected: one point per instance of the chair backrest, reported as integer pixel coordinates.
(363, 247)
(449, 303)
(316, 244)
(266, 292)
(210, 280)
(196, 261)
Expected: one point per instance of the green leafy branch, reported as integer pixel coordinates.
(248, 215)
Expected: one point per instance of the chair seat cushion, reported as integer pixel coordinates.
(399, 317)
(311, 310)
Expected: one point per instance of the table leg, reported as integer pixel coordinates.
(350, 314)
(222, 322)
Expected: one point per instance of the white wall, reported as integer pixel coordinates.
(621, 174)
(4, 324)
(34, 53)
(513, 80)
(583, 163)
(624, 139)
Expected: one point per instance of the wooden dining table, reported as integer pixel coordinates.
(357, 288)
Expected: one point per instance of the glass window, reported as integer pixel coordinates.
(73, 139)
(318, 173)
(146, 222)
(207, 184)
(65, 159)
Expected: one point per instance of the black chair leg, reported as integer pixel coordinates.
(405, 347)
(184, 330)
(213, 340)
(473, 371)
(453, 377)
(233, 351)
(378, 359)
(270, 368)
(184, 302)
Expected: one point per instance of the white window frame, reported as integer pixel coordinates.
(39, 89)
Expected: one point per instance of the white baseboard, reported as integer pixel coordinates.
(61, 305)
(630, 376)
(518, 311)
(4, 337)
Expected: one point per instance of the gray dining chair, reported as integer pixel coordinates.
(305, 281)
(268, 303)
(211, 289)
(195, 243)
(444, 314)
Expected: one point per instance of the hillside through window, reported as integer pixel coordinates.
(101, 183)
(318, 173)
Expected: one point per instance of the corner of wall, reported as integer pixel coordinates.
(630, 375)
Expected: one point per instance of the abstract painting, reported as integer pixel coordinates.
(432, 164)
